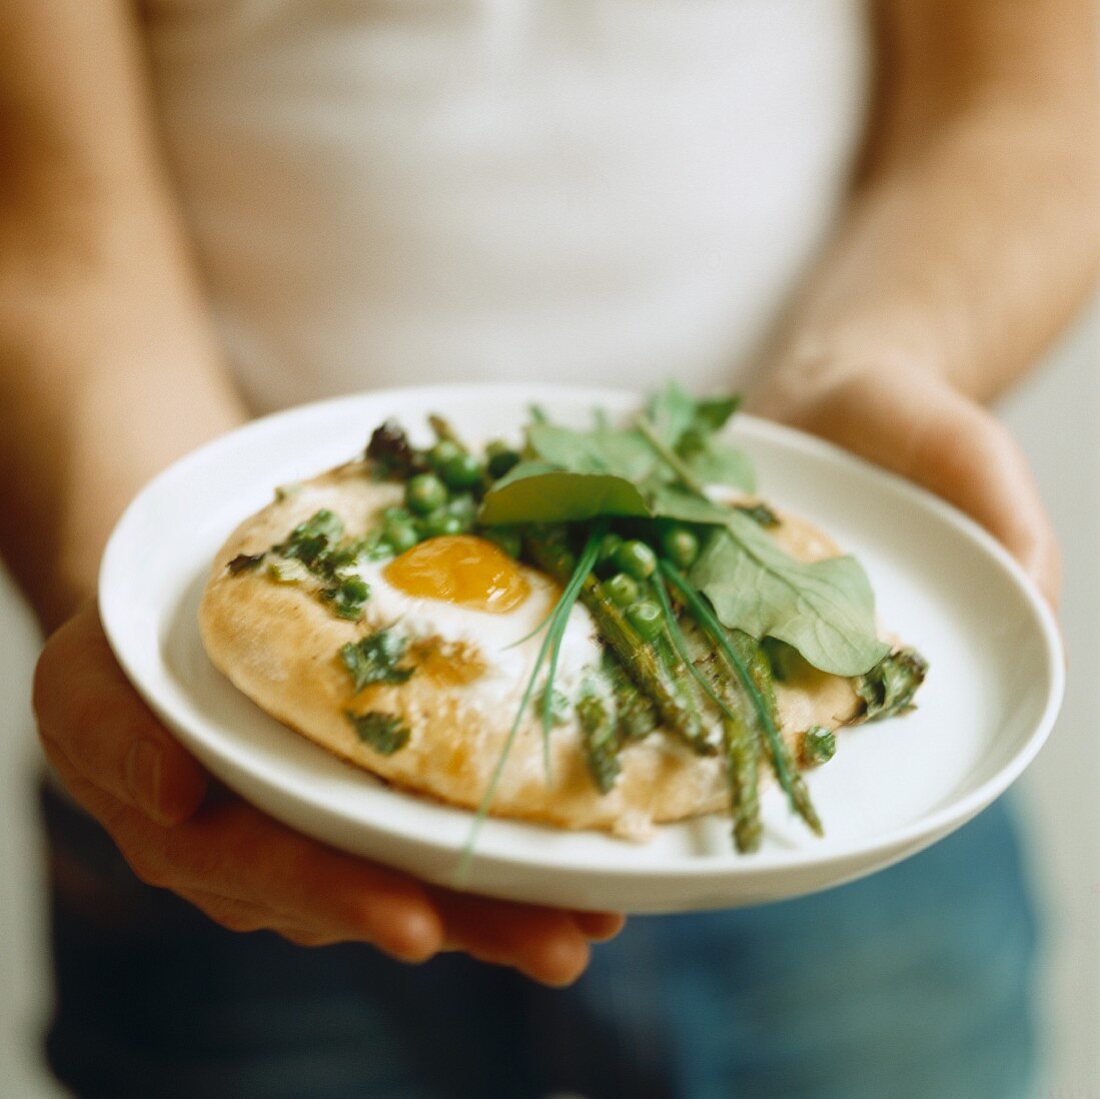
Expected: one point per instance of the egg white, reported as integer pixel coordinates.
(508, 643)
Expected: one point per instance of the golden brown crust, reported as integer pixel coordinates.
(279, 644)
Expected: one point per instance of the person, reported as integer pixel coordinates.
(874, 218)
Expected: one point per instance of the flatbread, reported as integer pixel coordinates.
(279, 644)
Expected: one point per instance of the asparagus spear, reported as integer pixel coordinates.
(740, 742)
(755, 676)
(635, 714)
(643, 663)
(742, 748)
(598, 723)
(888, 688)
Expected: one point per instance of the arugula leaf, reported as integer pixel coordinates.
(385, 733)
(622, 453)
(825, 609)
(376, 659)
(634, 473)
(546, 495)
(714, 462)
(688, 428)
(672, 412)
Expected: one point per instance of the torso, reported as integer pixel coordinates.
(408, 191)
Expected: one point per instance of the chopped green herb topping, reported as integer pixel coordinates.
(816, 745)
(243, 562)
(308, 541)
(347, 597)
(376, 659)
(385, 733)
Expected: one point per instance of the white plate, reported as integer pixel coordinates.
(942, 583)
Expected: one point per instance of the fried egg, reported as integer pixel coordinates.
(468, 594)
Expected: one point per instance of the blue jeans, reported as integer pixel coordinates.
(914, 982)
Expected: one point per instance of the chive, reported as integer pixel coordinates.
(560, 612)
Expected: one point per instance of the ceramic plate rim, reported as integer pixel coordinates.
(926, 827)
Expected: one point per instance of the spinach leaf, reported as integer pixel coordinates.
(825, 609)
(546, 495)
(376, 659)
(714, 462)
(385, 733)
(604, 450)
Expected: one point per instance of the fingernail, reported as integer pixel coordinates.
(143, 770)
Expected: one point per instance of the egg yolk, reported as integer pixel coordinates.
(461, 569)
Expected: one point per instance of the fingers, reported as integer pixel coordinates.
(233, 859)
(599, 926)
(543, 943)
(100, 735)
(919, 426)
(244, 869)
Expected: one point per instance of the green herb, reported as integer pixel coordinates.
(385, 733)
(535, 492)
(888, 688)
(376, 659)
(825, 609)
(347, 597)
(633, 462)
(244, 562)
(817, 745)
(309, 540)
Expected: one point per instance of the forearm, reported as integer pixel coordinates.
(106, 379)
(108, 369)
(970, 239)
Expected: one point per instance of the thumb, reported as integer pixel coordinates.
(919, 426)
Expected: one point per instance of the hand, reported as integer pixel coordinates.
(918, 425)
(245, 870)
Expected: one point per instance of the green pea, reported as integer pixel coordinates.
(636, 559)
(621, 589)
(425, 493)
(605, 555)
(446, 450)
(400, 534)
(680, 546)
(645, 616)
(440, 522)
(507, 538)
(394, 513)
(461, 471)
(463, 508)
(501, 458)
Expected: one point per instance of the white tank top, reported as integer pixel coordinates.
(390, 192)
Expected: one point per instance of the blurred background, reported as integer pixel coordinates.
(1055, 416)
